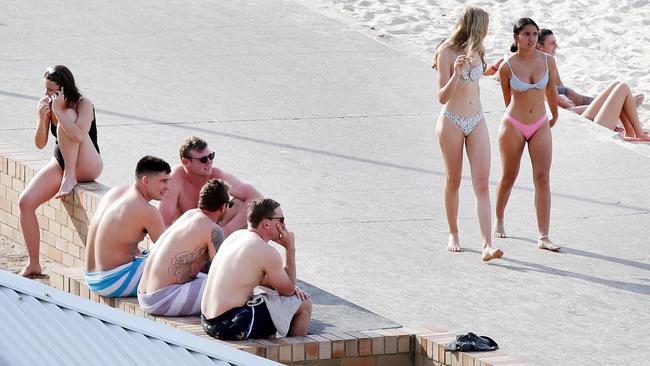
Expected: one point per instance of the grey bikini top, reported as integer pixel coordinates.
(518, 85)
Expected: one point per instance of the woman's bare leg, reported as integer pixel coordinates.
(70, 152)
(540, 148)
(619, 101)
(511, 146)
(451, 139)
(89, 162)
(614, 103)
(597, 104)
(627, 125)
(478, 153)
(38, 191)
(82, 162)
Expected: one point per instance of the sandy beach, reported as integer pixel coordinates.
(14, 257)
(599, 42)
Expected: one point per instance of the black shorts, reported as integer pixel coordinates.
(240, 323)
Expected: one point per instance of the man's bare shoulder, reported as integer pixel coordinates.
(238, 236)
(256, 246)
(149, 210)
(178, 173)
(116, 191)
(244, 238)
(217, 173)
(177, 179)
(196, 219)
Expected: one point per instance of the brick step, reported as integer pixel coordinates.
(379, 347)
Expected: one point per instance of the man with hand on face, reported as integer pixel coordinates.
(188, 178)
(232, 307)
(172, 283)
(114, 263)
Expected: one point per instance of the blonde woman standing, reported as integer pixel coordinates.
(460, 63)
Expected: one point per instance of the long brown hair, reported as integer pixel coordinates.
(468, 34)
(62, 76)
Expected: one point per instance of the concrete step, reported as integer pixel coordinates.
(389, 346)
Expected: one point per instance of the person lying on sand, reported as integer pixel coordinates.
(614, 103)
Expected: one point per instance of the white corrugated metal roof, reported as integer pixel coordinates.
(40, 325)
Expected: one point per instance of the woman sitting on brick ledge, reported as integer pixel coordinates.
(71, 119)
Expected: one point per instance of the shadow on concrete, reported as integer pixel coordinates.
(184, 126)
(110, 113)
(523, 267)
(584, 253)
(625, 262)
(331, 313)
(521, 238)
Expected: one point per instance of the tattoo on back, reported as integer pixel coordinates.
(181, 264)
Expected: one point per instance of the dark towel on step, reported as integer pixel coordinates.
(470, 342)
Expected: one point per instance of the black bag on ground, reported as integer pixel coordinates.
(470, 342)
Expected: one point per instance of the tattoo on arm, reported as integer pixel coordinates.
(181, 264)
(217, 238)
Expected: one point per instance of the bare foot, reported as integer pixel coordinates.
(545, 243)
(638, 99)
(643, 137)
(454, 243)
(30, 270)
(499, 231)
(491, 253)
(67, 185)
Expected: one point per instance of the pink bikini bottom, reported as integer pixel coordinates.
(527, 130)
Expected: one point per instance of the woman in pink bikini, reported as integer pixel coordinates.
(460, 63)
(526, 77)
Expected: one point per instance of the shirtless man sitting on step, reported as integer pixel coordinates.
(172, 283)
(232, 306)
(188, 178)
(114, 262)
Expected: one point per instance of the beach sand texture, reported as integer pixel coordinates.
(599, 42)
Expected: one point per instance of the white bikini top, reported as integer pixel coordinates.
(521, 86)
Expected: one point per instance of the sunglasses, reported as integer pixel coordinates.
(231, 203)
(203, 159)
(281, 219)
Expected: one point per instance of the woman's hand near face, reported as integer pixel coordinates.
(44, 112)
(458, 64)
(58, 100)
(43, 122)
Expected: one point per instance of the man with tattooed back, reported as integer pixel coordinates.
(172, 282)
